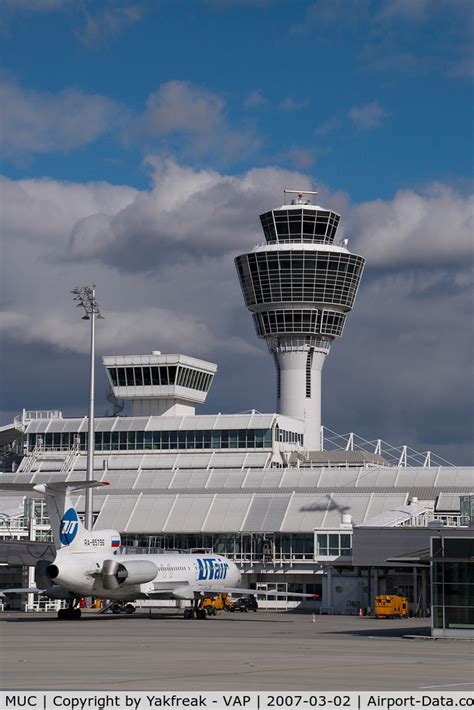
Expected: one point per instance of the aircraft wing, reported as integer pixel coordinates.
(22, 590)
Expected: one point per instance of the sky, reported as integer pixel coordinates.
(140, 142)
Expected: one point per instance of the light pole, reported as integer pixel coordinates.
(85, 296)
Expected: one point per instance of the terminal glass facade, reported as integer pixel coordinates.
(241, 547)
(453, 584)
(164, 440)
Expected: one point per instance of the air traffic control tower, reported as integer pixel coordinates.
(299, 287)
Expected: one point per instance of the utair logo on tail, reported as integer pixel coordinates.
(212, 568)
(69, 526)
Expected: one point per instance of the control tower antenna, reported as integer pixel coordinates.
(300, 194)
(299, 286)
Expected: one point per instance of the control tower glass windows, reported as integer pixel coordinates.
(316, 277)
(158, 376)
(311, 322)
(300, 225)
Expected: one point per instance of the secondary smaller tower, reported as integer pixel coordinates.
(160, 384)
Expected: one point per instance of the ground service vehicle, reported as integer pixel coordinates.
(218, 603)
(245, 604)
(391, 606)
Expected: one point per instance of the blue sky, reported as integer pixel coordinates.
(111, 106)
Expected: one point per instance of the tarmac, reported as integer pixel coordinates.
(254, 651)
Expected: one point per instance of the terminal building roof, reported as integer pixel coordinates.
(245, 500)
(250, 420)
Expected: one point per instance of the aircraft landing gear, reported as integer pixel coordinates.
(71, 612)
(195, 611)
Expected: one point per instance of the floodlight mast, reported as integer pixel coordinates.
(85, 297)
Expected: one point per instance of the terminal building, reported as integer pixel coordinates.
(297, 507)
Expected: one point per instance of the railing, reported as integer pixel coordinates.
(13, 523)
(28, 415)
(450, 520)
(70, 459)
(395, 455)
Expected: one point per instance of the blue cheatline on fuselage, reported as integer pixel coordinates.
(212, 568)
(69, 527)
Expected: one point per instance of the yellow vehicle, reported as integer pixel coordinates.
(214, 604)
(389, 606)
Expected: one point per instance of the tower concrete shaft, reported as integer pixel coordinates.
(299, 286)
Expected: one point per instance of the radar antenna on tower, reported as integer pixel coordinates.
(300, 194)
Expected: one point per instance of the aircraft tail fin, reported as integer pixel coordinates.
(68, 530)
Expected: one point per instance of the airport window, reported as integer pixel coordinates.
(309, 364)
(333, 545)
(298, 225)
(162, 440)
(290, 437)
(318, 277)
(453, 583)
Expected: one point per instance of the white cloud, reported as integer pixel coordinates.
(414, 10)
(187, 215)
(301, 158)
(255, 99)
(36, 5)
(416, 228)
(290, 104)
(195, 119)
(367, 116)
(41, 122)
(181, 106)
(108, 23)
(326, 127)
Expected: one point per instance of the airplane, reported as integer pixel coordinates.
(88, 563)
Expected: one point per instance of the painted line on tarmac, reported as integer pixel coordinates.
(445, 685)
